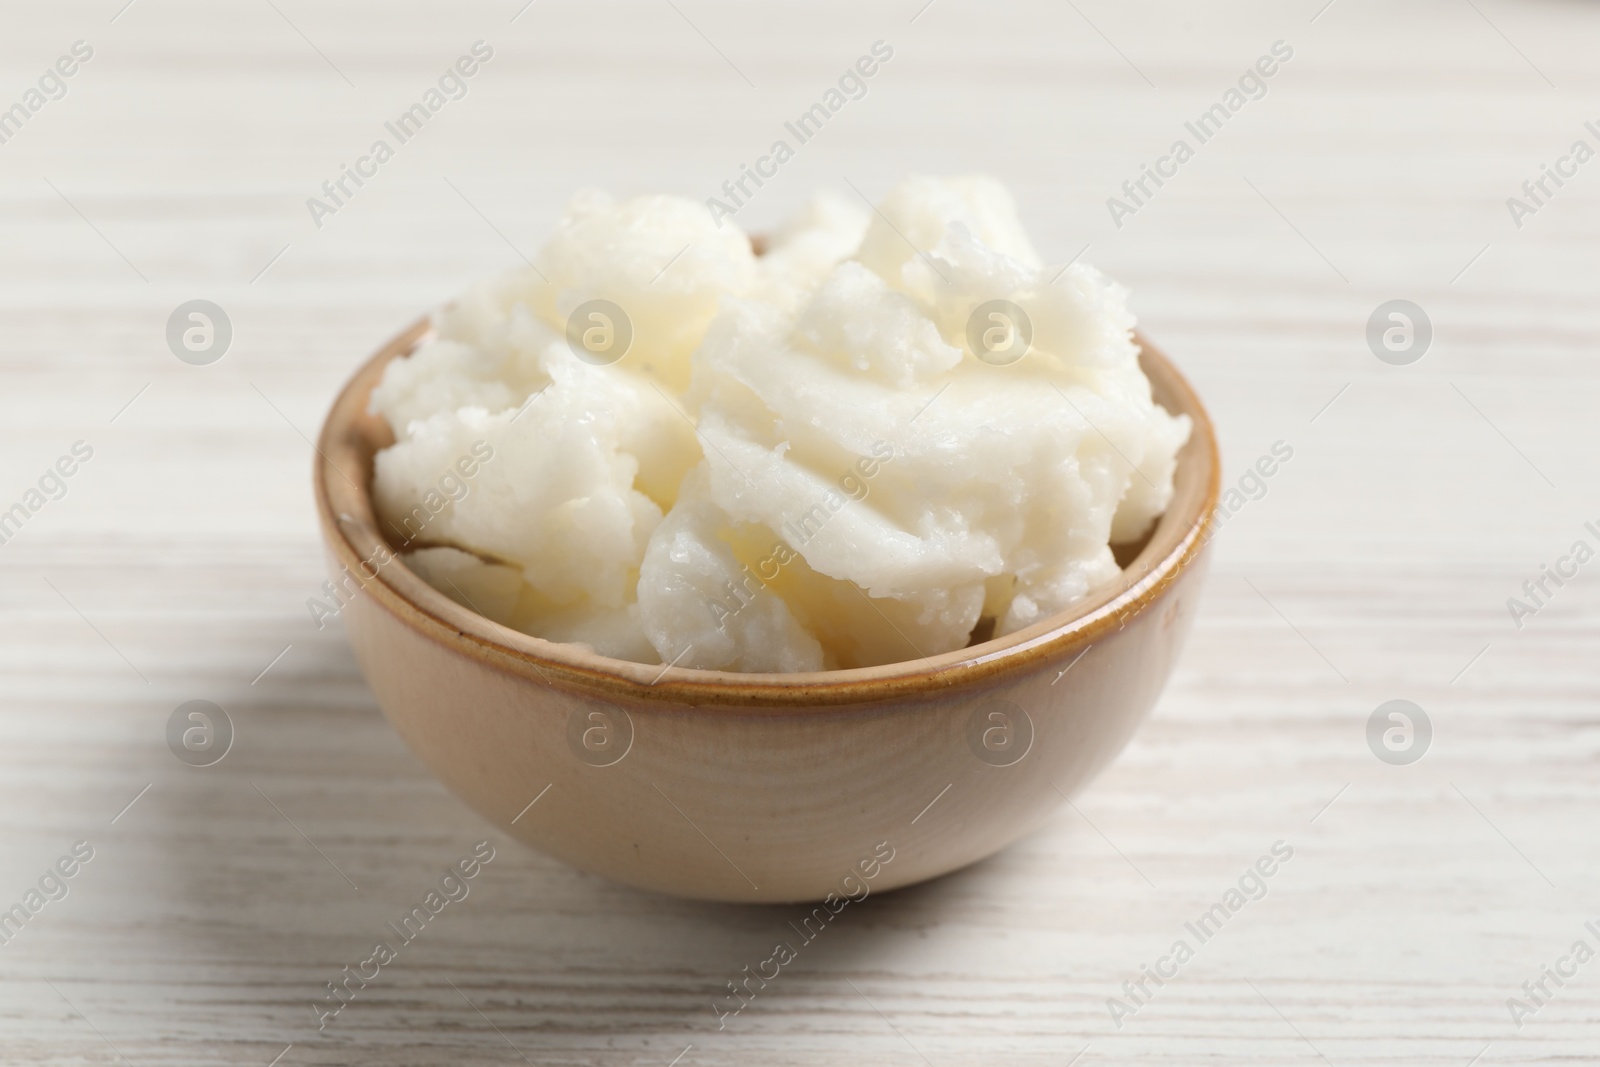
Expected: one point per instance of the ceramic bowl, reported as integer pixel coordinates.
(761, 787)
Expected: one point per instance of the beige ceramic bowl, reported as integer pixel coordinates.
(761, 787)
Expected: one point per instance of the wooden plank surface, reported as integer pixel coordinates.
(1377, 566)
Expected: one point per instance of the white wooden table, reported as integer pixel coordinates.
(1377, 566)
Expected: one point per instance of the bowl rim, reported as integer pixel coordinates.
(350, 436)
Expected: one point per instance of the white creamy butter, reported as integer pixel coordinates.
(801, 462)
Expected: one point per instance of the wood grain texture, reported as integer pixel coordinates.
(1377, 565)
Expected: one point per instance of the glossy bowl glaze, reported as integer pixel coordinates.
(761, 787)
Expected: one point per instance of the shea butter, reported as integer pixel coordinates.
(890, 431)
